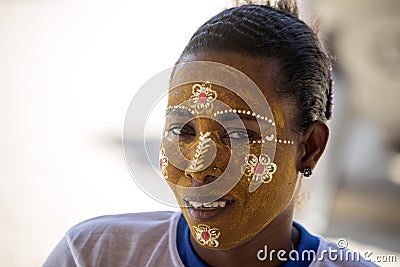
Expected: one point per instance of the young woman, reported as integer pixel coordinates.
(245, 122)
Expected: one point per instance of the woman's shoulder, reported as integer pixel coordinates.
(119, 240)
(129, 222)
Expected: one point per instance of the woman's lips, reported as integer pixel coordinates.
(203, 212)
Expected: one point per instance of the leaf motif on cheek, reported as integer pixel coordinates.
(201, 149)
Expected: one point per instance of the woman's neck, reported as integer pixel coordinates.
(278, 235)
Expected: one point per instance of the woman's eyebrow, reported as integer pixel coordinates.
(179, 112)
(234, 116)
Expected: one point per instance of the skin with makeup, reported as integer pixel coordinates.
(244, 221)
(248, 103)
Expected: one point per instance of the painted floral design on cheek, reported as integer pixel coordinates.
(202, 97)
(207, 236)
(163, 163)
(258, 169)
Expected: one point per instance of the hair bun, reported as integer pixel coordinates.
(288, 6)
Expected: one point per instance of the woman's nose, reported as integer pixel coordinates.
(201, 177)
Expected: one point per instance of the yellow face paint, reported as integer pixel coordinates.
(233, 140)
(202, 148)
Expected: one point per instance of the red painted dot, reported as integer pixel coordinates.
(259, 169)
(205, 235)
(160, 163)
(202, 97)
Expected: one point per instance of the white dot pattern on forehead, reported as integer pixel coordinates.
(179, 107)
(272, 138)
(246, 112)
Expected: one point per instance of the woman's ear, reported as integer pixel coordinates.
(313, 144)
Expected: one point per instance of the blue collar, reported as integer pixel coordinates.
(190, 258)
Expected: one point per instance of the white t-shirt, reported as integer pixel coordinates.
(141, 239)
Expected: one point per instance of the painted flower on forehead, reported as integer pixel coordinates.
(163, 163)
(258, 170)
(207, 236)
(202, 97)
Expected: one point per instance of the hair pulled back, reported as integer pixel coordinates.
(272, 31)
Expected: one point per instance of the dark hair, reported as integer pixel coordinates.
(274, 33)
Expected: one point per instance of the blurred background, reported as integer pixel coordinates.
(69, 69)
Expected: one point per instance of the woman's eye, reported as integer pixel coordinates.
(240, 135)
(181, 131)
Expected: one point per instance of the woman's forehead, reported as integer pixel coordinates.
(227, 83)
(262, 72)
(244, 75)
(183, 93)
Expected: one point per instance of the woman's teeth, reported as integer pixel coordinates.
(215, 204)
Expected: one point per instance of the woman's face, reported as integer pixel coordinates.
(240, 214)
